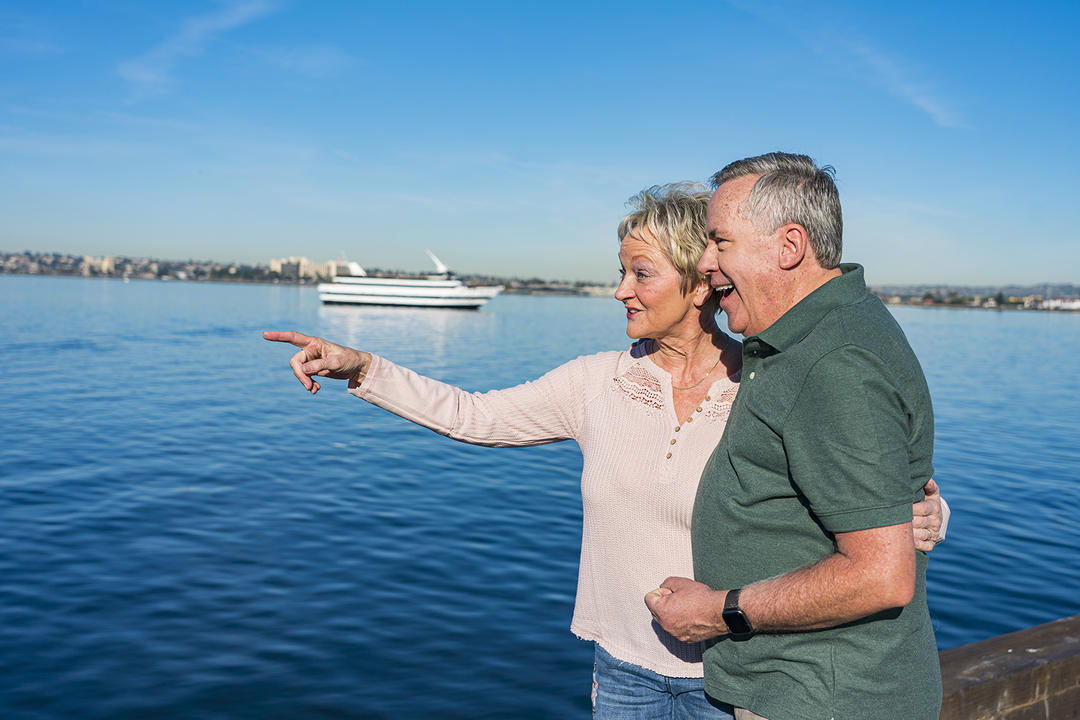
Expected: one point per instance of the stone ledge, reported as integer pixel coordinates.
(1031, 674)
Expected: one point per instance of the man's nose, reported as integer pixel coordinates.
(707, 261)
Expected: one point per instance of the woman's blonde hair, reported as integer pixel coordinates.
(674, 215)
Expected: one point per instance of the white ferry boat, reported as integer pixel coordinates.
(439, 290)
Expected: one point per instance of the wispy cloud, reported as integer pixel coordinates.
(16, 142)
(152, 71)
(313, 61)
(494, 162)
(26, 39)
(27, 46)
(900, 78)
(902, 83)
(149, 122)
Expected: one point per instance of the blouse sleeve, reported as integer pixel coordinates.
(545, 410)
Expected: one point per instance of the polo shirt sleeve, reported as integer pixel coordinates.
(846, 439)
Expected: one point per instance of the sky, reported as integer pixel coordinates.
(508, 136)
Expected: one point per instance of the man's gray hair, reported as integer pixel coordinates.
(792, 189)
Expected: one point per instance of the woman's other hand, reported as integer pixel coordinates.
(322, 358)
(930, 516)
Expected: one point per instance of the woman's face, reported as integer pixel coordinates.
(651, 290)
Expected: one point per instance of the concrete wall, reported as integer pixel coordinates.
(1032, 674)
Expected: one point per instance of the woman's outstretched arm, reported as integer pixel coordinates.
(545, 410)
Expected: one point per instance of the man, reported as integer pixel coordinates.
(811, 599)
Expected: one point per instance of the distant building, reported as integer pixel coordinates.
(100, 266)
(294, 268)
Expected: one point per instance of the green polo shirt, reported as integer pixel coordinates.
(832, 431)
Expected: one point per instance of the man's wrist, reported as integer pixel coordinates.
(738, 624)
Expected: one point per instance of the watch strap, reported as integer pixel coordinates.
(731, 602)
(739, 626)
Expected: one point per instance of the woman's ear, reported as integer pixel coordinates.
(702, 292)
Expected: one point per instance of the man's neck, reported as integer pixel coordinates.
(812, 281)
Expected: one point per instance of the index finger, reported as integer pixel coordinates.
(674, 583)
(287, 336)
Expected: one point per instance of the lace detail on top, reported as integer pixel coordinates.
(720, 409)
(641, 386)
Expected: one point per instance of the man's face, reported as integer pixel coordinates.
(741, 262)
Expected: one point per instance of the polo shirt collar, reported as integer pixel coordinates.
(796, 323)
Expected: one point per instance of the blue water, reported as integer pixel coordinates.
(186, 533)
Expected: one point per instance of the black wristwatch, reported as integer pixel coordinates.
(737, 622)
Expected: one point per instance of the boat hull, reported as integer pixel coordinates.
(405, 293)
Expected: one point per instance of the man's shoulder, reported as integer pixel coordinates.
(865, 325)
(854, 320)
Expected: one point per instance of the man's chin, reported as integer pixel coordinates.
(730, 305)
(735, 322)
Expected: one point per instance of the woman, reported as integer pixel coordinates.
(646, 419)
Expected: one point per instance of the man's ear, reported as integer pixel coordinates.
(794, 245)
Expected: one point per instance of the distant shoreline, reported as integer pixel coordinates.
(556, 290)
(511, 287)
(1005, 308)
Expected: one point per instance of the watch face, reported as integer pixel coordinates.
(737, 622)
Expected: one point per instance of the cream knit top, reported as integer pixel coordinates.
(638, 484)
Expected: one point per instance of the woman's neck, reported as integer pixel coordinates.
(693, 358)
(696, 356)
(677, 354)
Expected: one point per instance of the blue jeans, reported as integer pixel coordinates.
(624, 691)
